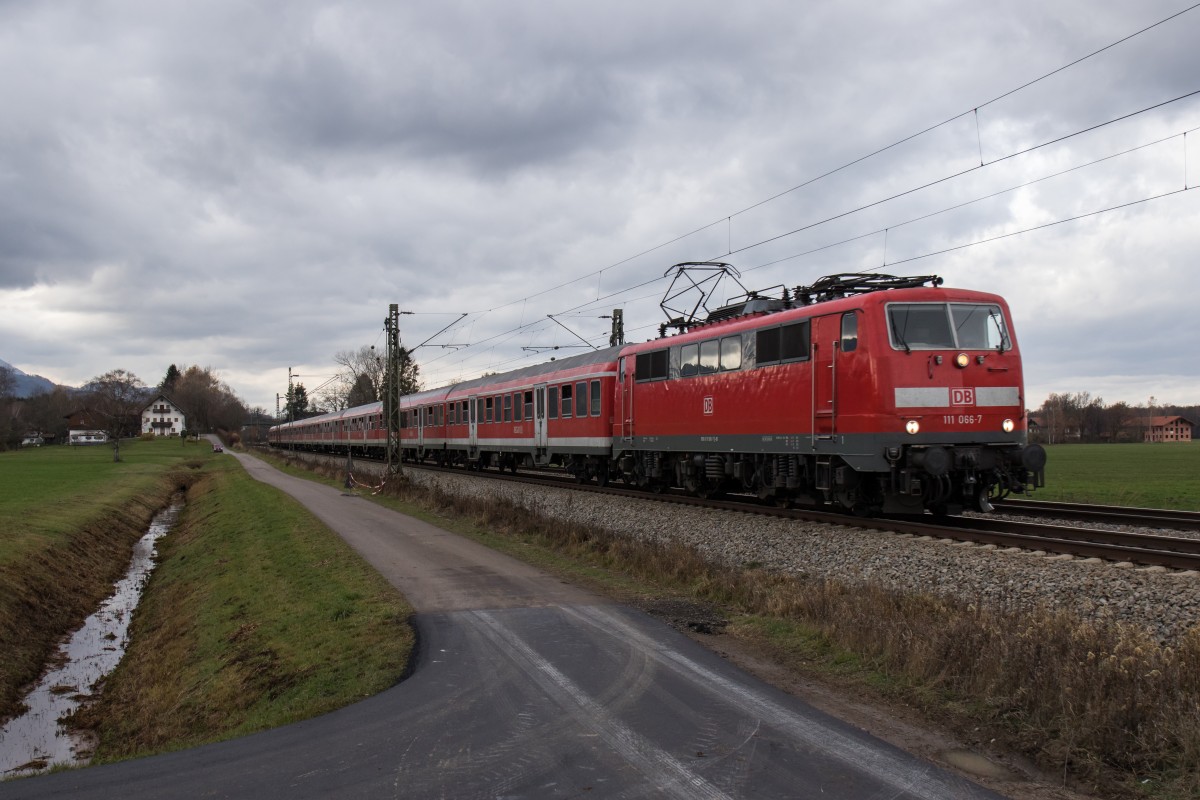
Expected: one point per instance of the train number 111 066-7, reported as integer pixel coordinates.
(963, 419)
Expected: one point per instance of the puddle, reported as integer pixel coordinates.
(35, 741)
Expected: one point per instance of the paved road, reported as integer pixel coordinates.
(525, 688)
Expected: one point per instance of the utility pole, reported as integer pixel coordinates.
(618, 328)
(391, 401)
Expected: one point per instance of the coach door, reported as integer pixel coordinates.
(625, 379)
(826, 335)
(539, 417)
(473, 425)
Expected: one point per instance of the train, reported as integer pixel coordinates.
(867, 393)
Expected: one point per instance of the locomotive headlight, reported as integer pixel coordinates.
(1009, 426)
(912, 426)
(961, 360)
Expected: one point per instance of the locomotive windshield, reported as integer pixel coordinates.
(947, 326)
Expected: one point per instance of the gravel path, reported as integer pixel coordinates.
(1166, 603)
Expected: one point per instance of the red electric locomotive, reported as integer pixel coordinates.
(875, 393)
(869, 392)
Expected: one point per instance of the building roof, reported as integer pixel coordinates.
(161, 396)
(1162, 422)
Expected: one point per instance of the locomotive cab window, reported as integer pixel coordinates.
(979, 327)
(941, 326)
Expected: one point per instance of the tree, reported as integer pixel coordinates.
(296, 404)
(116, 397)
(47, 413)
(8, 432)
(362, 376)
(362, 392)
(170, 379)
(207, 402)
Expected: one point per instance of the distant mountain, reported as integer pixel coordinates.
(27, 385)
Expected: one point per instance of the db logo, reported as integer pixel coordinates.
(708, 406)
(962, 397)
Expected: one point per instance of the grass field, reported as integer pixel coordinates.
(1145, 475)
(257, 615)
(68, 518)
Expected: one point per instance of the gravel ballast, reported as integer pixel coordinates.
(1166, 603)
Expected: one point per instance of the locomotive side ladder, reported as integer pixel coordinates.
(824, 378)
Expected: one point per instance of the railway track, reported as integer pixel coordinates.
(1115, 515)
(1171, 552)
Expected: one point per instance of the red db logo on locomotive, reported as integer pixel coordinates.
(962, 397)
(708, 406)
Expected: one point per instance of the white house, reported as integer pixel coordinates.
(163, 418)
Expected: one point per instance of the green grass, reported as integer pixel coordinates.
(68, 517)
(1146, 475)
(51, 492)
(256, 616)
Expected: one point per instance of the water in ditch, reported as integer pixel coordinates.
(36, 740)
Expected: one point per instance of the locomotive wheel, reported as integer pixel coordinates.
(602, 475)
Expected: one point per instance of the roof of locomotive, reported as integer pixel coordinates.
(757, 319)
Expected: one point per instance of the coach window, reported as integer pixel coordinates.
(452, 414)
(849, 332)
(689, 360)
(581, 399)
(566, 400)
(517, 407)
(595, 398)
(439, 414)
(731, 353)
(529, 405)
(552, 401)
(508, 408)
(487, 410)
(462, 415)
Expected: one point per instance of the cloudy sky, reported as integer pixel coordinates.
(248, 186)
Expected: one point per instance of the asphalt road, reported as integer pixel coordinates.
(525, 687)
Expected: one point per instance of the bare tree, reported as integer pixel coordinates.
(116, 397)
(207, 402)
(362, 375)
